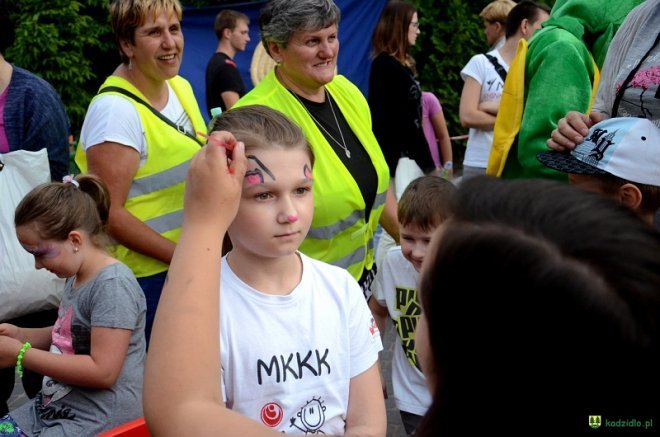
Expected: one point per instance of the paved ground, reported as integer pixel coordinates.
(394, 425)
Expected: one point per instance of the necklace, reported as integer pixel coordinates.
(341, 134)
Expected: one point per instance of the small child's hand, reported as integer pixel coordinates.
(215, 181)
(9, 349)
(9, 330)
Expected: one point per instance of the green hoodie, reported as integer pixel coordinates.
(559, 75)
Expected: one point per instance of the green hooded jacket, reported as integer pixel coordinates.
(559, 75)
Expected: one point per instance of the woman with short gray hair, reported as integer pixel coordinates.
(351, 178)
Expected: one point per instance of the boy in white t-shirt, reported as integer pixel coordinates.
(423, 207)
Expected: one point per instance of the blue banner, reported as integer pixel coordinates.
(358, 19)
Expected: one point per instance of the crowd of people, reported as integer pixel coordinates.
(236, 270)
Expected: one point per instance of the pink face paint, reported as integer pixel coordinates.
(307, 172)
(254, 177)
(292, 218)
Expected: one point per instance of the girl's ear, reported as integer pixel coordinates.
(76, 238)
(500, 27)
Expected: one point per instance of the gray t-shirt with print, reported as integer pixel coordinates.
(112, 299)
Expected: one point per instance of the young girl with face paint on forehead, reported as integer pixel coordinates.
(93, 356)
(298, 344)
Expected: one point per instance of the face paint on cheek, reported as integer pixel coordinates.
(307, 172)
(43, 250)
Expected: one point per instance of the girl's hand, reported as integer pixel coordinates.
(9, 330)
(9, 349)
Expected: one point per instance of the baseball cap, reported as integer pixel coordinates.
(626, 147)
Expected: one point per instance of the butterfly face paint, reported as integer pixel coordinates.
(45, 250)
(275, 212)
(58, 257)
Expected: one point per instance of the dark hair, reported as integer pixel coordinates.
(525, 10)
(57, 208)
(426, 202)
(391, 33)
(544, 295)
(227, 19)
(7, 31)
(279, 19)
(128, 15)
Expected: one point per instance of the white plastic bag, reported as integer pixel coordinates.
(406, 171)
(23, 288)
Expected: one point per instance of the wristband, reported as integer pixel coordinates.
(448, 165)
(19, 358)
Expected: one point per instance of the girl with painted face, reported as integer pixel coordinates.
(298, 344)
(93, 356)
(350, 179)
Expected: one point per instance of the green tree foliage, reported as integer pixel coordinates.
(70, 44)
(451, 32)
(54, 40)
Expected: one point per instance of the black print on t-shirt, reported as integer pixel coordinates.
(405, 324)
(294, 365)
(310, 418)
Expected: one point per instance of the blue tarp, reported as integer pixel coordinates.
(358, 19)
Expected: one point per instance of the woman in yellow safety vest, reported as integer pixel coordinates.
(139, 135)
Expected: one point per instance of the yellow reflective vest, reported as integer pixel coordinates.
(340, 234)
(156, 194)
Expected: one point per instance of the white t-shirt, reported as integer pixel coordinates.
(395, 287)
(480, 69)
(287, 361)
(115, 118)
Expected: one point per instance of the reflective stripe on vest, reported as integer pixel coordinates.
(159, 181)
(328, 232)
(166, 222)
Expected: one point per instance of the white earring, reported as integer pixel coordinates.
(75, 249)
(130, 63)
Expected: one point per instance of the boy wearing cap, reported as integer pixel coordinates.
(620, 158)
